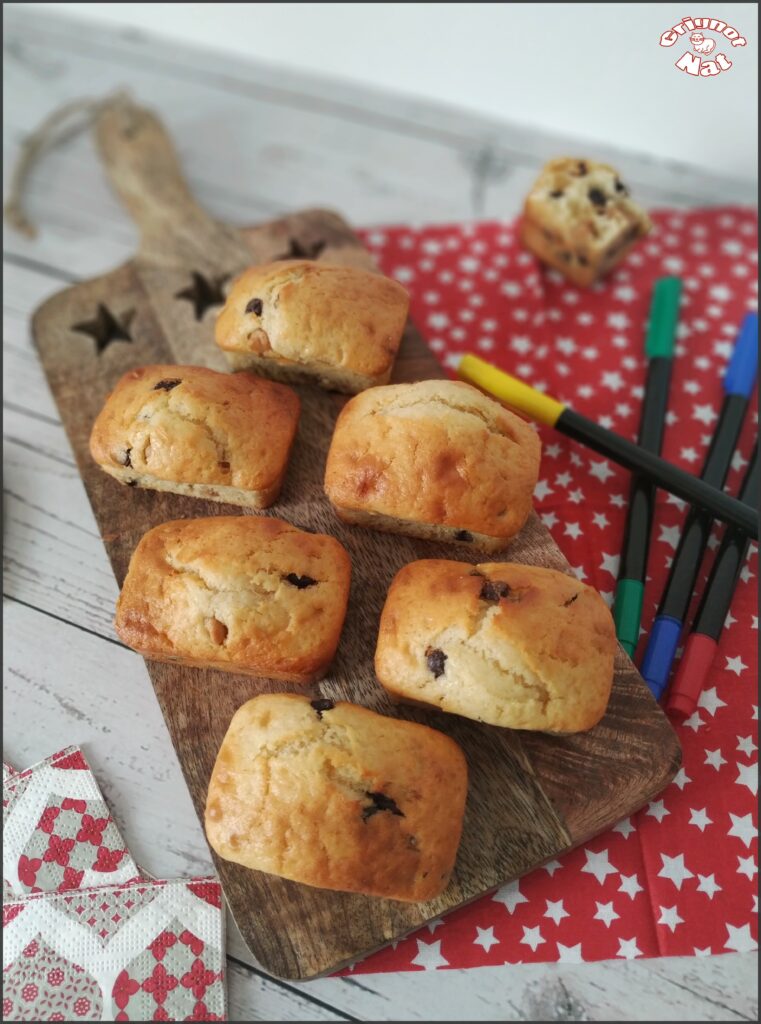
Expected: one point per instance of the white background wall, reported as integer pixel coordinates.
(592, 70)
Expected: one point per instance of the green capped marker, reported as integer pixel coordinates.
(659, 349)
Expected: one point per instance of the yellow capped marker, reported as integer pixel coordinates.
(522, 397)
(544, 409)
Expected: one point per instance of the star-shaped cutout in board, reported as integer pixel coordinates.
(302, 250)
(203, 292)
(105, 327)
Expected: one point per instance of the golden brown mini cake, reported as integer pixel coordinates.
(436, 459)
(580, 219)
(507, 644)
(299, 320)
(238, 593)
(193, 431)
(338, 797)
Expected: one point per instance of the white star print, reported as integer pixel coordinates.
(542, 489)
(701, 952)
(549, 519)
(745, 575)
(552, 451)
(573, 530)
(708, 885)
(619, 321)
(694, 722)
(610, 564)
(670, 535)
(742, 828)
(551, 867)
(605, 913)
(627, 948)
(704, 413)
(429, 955)
(656, 809)
(510, 895)
(485, 938)
(585, 391)
(736, 665)
(738, 461)
(714, 758)
(563, 479)
(681, 779)
(578, 571)
(614, 381)
(520, 343)
(739, 938)
(700, 818)
(601, 470)
(556, 911)
(569, 954)
(598, 865)
(748, 776)
(601, 520)
(689, 454)
(630, 885)
(755, 903)
(747, 866)
(532, 937)
(576, 496)
(670, 918)
(674, 869)
(691, 387)
(710, 701)
(625, 828)
(746, 745)
(434, 924)
(622, 409)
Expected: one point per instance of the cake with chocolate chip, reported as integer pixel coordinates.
(580, 219)
(511, 645)
(336, 796)
(242, 594)
(298, 320)
(185, 429)
(436, 459)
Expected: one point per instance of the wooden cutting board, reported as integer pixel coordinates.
(531, 796)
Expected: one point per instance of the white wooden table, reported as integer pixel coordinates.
(255, 141)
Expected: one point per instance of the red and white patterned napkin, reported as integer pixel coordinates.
(679, 877)
(151, 950)
(58, 833)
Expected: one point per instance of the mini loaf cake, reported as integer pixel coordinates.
(437, 460)
(194, 431)
(507, 644)
(338, 797)
(579, 219)
(300, 320)
(237, 593)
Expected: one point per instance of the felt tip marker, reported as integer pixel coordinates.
(660, 342)
(703, 641)
(545, 409)
(739, 380)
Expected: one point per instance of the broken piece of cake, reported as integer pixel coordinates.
(580, 219)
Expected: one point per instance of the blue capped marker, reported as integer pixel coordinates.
(739, 380)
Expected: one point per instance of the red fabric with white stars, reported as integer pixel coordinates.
(679, 877)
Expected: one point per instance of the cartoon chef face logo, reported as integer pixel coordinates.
(702, 45)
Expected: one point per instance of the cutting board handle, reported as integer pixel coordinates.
(144, 169)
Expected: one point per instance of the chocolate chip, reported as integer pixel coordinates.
(126, 461)
(570, 600)
(597, 196)
(620, 187)
(581, 169)
(255, 306)
(224, 466)
(556, 193)
(380, 802)
(167, 385)
(565, 257)
(435, 660)
(493, 590)
(322, 704)
(463, 535)
(583, 261)
(131, 483)
(300, 582)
